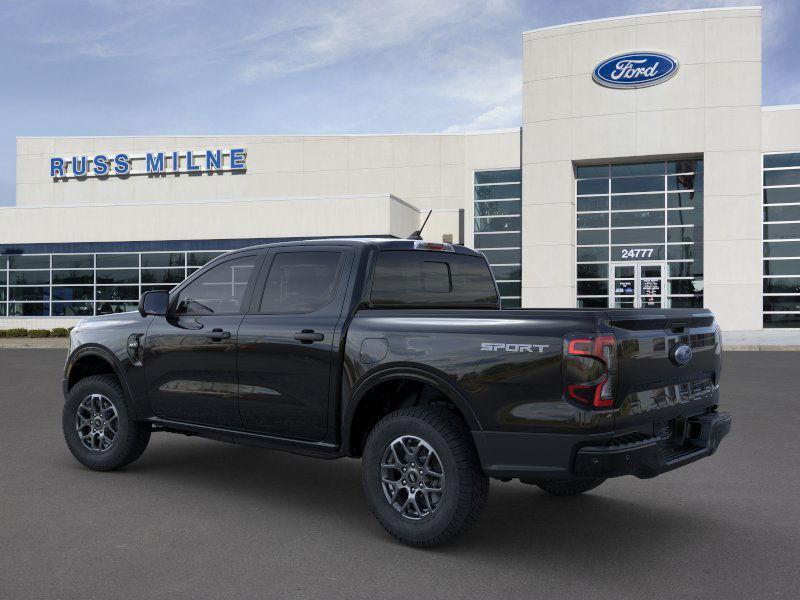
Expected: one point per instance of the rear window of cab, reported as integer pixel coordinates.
(432, 279)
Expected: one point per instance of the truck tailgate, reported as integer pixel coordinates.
(655, 392)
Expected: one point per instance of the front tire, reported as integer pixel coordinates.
(98, 427)
(422, 476)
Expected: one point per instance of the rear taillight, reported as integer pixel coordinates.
(590, 369)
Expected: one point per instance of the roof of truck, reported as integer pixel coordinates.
(380, 243)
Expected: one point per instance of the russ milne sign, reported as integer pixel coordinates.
(635, 70)
(151, 163)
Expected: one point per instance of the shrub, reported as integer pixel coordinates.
(15, 332)
(38, 333)
(61, 332)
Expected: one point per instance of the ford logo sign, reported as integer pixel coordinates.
(681, 354)
(635, 70)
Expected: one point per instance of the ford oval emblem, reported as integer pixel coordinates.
(635, 70)
(681, 354)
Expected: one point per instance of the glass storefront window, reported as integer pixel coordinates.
(497, 223)
(107, 308)
(62, 277)
(33, 261)
(645, 213)
(781, 247)
(162, 275)
(498, 192)
(73, 292)
(503, 257)
(500, 207)
(28, 309)
(198, 259)
(164, 259)
(111, 261)
(73, 261)
(72, 309)
(117, 276)
(80, 284)
(29, 277)
(117, 292)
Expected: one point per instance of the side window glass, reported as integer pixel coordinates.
(219, 290)
(301, 282)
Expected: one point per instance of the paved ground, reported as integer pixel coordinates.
(200, 519)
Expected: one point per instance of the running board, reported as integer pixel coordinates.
(235, 436)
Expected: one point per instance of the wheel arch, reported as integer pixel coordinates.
(361, 397)
(96, 360)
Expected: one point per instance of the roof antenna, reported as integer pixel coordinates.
(417, 235)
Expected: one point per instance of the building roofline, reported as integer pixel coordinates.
(652, 14)
(781, 107)
(261, 135)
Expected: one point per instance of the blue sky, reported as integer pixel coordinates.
(152, 67)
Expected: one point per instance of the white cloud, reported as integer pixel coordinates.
(332, 35)
(497, 117)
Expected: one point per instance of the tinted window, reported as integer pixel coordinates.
(73, 261)
(218, 290)
(418, 277)
(29, 262)
(301, 282)
(117, 260)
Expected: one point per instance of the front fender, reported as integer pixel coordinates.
(109, 357)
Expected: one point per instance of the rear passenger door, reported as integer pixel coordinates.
(288, 341)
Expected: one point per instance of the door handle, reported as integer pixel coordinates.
(307, 336)
(217, 335)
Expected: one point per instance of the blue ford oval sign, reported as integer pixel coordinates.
(635, 70)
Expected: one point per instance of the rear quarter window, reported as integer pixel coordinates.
(431, 279)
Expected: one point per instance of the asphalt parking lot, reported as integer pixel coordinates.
(201, 519)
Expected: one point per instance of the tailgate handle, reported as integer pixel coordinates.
(677, 326)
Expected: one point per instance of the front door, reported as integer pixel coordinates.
(637, 285)
(288, 342)
(190, 354)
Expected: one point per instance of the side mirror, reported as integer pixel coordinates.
(155, 302)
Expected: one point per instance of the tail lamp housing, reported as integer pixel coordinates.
(590, 370)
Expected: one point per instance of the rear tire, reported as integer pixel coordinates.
(98, 425)
(426, 443)
(568, 487)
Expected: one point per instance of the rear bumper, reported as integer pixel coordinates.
(566, 456)
(652, 457)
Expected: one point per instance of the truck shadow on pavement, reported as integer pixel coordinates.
(599, 526)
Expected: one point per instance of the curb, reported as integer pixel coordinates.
(759, 348)
(40, 343)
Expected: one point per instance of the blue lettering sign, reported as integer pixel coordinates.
(154, 162)
(56, 167)
(100, 164)
(635, 70)
(237, 159)
(79, 166)
(190, 166)
(213, 160)
(123, 165)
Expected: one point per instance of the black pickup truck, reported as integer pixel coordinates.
(396, 351)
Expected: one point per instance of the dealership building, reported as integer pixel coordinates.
(645, 173)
